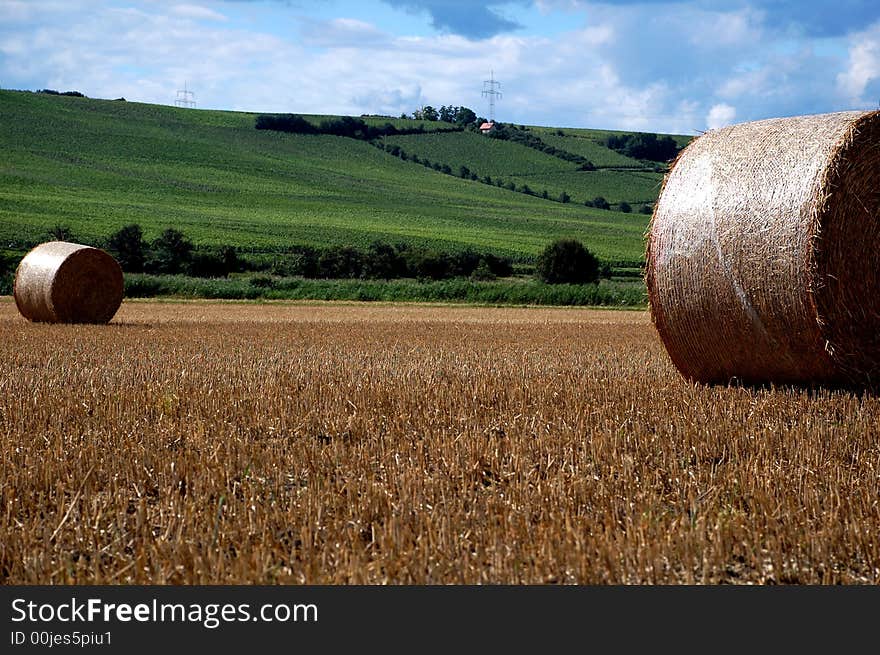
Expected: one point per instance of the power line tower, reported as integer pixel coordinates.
(185, 98)
(491, 92)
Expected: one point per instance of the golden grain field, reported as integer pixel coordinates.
(203, 443)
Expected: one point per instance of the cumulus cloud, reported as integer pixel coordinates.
(720, 115)
(341, 32)
(197, 12)
(863, 65)
(812, 18)
(624, 66)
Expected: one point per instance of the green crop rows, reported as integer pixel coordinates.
(97, 165)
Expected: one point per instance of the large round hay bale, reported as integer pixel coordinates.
(763, 253)
(61, 282)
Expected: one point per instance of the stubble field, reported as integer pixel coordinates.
(203, 443)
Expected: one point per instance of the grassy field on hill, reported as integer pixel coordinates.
(512, 162)
(97, 165)
(588, 147)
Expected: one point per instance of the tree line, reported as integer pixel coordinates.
(172, 253)
(462, 116)
(346, 126)
(523, 136)
(564, 261)
(644, 145)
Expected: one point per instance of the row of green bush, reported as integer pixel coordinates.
(346, 126)
(607, 293)
(464, 172)
(172, 253)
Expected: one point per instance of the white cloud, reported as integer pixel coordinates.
(197, 12)
(625, 67)
(863, 65)
(342, 33)
(720, 115)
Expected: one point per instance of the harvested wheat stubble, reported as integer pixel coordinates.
(61, 282)
(762, 253)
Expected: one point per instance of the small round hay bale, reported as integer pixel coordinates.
(762, 253)
(61, 282)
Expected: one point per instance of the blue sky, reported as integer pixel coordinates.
(679, 67)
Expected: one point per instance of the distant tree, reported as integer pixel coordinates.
(427, 264)
(285, 123)
(426, 113)
(483, 273)
(303, 261)
(465, 117)
(353, 128)
(464, 172)
(500, 266)
(383, 262)
(171, 252)
(7, 266)
(526, 189)
(624, 207)
(564, 197)
(340, 262)
(447, 113)
(600, 203)
(644, 145)
(128, 246)
(214, 262)
(567, 261)
(646, 209)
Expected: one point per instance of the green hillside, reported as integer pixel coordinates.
(97, 165)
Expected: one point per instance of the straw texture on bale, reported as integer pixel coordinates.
(61, 282)
(763, 253)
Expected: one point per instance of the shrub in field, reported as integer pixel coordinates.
(428, 264)
(214, 262)
(7, 274)
(383, 261)
(285, 123)
(483, 273)
(341, 262)
(567, 261)
(644, 146)
(128, 246)
(171, 253)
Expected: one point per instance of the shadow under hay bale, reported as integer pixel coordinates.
(763, 253)
(61, 282)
